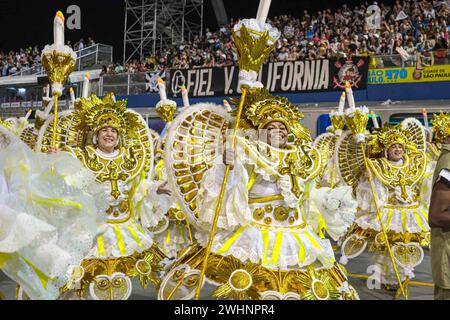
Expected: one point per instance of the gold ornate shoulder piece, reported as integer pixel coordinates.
(410, 173)
(305, 163)
(351, 164)
(193, 143)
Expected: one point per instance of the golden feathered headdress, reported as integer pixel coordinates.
(262, 108)
(100, 113)
(387, 137)
(441, 126)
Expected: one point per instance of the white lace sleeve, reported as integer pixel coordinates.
(235, 202)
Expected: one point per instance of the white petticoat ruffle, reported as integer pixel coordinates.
(397, 220)
(171, 241)
(121, 240)
(250, 246)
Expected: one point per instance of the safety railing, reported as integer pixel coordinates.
(128, 84)
(424, 59)
(96, 55)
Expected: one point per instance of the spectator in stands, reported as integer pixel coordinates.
(91, 42)
(104, 71)
(81, 45)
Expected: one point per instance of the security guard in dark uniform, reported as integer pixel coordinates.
(439, 220)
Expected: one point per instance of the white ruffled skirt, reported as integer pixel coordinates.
(409, 219)
(121, 240)
(172, 240)
(273, 248)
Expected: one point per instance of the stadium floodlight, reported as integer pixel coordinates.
(153, 25)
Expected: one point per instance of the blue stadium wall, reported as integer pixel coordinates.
(406, 91)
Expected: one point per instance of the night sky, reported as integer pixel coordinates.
(30, 22)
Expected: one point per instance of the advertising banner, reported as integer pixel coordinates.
(277, 77)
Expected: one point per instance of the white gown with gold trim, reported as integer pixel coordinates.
(262, 221)
(122, 235)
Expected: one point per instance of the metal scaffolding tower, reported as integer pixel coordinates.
(153, 25)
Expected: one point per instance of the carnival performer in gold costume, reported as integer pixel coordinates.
(115, 144)
(264, 247)
(174, 232)
(435, 139)
(440, 129)
(387, 174)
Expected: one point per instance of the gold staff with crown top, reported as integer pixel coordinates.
(338, 124)
(59, 62)
(357, 120)
(326, 144)
(254, 40)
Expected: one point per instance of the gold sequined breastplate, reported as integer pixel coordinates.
(297, 164)
(409, 175)
(118, 172)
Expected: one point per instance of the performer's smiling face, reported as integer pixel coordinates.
(396, 152)
(107, 139)
(277, 134)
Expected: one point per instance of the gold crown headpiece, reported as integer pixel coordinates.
(262, 108)
(101, 113)
(387, 137)
(253, 47)
(441, 126)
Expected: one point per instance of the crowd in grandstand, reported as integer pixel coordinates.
(410, 28)
(15, 61)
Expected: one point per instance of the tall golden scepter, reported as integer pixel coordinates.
(338, 124)
(254, 40)
(357, 120)
(59, 62)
